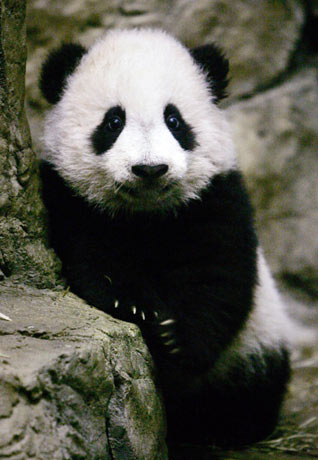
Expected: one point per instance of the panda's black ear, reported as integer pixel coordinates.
(58, 66)
(216, 66)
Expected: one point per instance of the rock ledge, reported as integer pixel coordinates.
(74, 382)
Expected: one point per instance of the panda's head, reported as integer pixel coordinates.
(135, 123)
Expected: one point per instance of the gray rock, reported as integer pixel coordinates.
(258, 37)
(24, 254)
(276, 134)
(75, 383)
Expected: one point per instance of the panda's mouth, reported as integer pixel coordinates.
(158, 196)
(145, 191)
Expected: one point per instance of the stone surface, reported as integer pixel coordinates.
(276, 134)
(258, 37)
(24, 254)
(75, 383)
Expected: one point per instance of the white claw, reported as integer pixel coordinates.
(143, 315)
(116, 303)
(156, 314)
(108, 279)
(174, 351)
(167, 322)
(134, 309)
(5, 317)
(170, 342)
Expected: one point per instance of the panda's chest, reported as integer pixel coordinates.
(137, 244)
(154, 244)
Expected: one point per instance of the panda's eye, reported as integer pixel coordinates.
(179, 128)
(108, 131)
(173, 122)
(114, 124)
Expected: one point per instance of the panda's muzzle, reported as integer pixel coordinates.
(149, 183)
(149, 172)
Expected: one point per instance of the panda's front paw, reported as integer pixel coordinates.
(127, 310)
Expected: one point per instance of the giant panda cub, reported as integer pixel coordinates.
(151, 219)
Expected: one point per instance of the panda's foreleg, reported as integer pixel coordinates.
(208, 307)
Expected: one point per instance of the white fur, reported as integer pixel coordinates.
(142, 71)
(267, 326)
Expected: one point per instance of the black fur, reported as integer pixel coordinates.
(196, 267)
(106, 134)
(181, 130)
(58, 66)
(216, 67)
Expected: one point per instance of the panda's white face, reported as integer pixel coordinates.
(135, 127)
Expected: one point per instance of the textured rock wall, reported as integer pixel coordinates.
(277, 134)
(23, 253)
(74, 383)
(272, 48)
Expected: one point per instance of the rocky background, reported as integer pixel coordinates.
(74, 383)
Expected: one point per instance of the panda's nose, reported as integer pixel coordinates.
(150, 172)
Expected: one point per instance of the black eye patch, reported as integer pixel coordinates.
(106, 134)
(180, 130)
